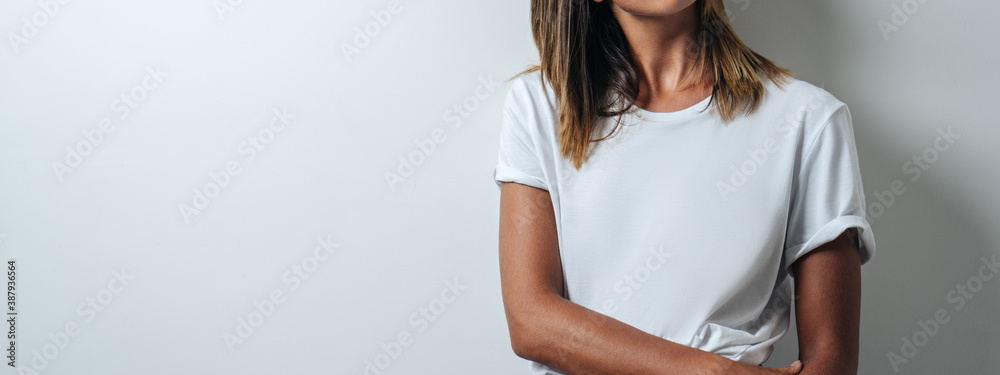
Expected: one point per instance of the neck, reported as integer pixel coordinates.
(662, 48)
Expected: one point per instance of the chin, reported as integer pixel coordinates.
(653, 8)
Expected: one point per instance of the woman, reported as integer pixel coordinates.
(661, 187)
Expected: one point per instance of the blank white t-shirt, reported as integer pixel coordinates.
(685, 227)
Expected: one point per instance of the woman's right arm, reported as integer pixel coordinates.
(547, 328)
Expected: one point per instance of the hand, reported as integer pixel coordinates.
(745, 369)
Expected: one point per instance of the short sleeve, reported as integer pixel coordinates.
(517, 160)
(827, 194)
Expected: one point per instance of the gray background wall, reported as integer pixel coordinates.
(103, 247)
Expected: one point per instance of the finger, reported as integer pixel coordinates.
(794, 368)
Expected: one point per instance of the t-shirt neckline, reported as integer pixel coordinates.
(675, 115)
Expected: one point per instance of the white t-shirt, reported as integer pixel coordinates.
(685, 227)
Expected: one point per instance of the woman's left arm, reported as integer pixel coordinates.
(828, 306)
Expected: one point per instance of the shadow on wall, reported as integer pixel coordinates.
(930, 300)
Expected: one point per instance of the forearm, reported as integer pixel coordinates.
(575, 340)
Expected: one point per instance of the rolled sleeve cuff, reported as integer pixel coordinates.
(830, 232)
(506, 173)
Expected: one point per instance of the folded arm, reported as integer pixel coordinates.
(547, 328)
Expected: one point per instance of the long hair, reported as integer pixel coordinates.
(586, 58)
